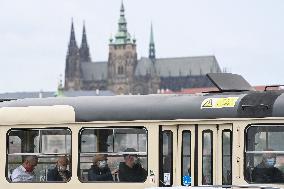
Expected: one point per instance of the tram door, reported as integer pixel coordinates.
(204, 155)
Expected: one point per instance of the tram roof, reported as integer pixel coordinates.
(165, 107)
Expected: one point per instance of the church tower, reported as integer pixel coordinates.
(84, 48)
(152, 51)
(122, 59)
(72, 68)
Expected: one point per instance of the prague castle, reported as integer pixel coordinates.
(124, 73)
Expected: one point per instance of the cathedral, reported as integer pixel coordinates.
(124, 73)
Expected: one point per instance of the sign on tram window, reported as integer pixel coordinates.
(113, 155)
(264, 155)
(38, 155)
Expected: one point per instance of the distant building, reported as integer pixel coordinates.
(123, 73)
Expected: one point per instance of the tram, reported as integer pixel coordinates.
(231, 138)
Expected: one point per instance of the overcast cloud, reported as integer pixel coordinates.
(247, 37)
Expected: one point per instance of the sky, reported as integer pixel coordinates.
(247, 37)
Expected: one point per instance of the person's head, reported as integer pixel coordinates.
(30, 162)
(100, 161)
(62, 163)
(130, 159)
(269, 158)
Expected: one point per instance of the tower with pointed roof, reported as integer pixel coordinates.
(152, 51)
(84, 48)
(122, 59)
(72, 69)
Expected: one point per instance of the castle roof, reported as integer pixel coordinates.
(164, 67)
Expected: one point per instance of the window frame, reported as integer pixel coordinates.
(211, 158)
(231, 154)
(113, 153)
(246, 146)
(39, 153)
(182, 155)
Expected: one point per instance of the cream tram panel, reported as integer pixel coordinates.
(37, 114)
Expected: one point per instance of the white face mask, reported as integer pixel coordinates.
(62, 168)
(102, 164)
(270, 162)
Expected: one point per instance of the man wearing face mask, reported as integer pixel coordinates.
(60, 172)
(100, 171)
(131, 170)
(25, 172)
(265, 172)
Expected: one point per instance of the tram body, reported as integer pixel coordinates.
(210, 139)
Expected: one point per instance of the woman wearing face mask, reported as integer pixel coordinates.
(265, 172)
(60, 172)
(100, 171)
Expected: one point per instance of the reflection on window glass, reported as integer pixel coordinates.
(226, 157)
(264, 156)
(186, 153)
(207, 158)
(114, 154)
(39, 155)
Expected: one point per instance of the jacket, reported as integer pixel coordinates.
(134, 174)
(53, 175)
(97, 174)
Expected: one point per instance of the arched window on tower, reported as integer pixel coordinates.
(120, 70)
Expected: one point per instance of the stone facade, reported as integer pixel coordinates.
(123, 73)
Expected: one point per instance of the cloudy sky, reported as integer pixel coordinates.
(247, 37)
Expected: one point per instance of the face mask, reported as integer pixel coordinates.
(136, 160)
(62, 168)
(102, 164)
(270, 162)
(29, 168)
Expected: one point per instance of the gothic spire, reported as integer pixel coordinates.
(152, 53)
(122, 36)
(84, 49)
(72, 47)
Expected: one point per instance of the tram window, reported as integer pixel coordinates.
(264, 155)
(166, 176)
(33, 155)
(113, 155)
(207, 157)
(186, 154)
(227, 157)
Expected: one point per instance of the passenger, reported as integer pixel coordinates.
(131, 170)
(100, 171)
(265, 172)
(25, 172)
(60, 172)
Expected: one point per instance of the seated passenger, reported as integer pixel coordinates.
(265, 172)
(60, 172)
(100, 171)
(25, 172)
(131, 170)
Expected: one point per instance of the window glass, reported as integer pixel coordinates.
(186, 154)
(166, 176)
(264, 155)
(39, 155)
(227, 157)
(207, 157)
(113, 155)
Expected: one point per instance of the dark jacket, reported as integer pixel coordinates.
(97, 174)
(135, 174)
(263, 174)
(53, 175)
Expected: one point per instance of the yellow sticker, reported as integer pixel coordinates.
(219, 102)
